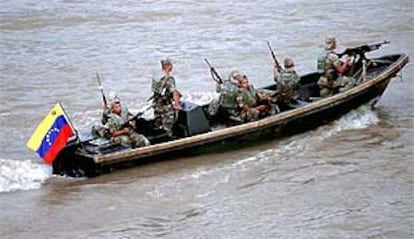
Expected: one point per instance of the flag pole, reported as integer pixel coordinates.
(69, 121)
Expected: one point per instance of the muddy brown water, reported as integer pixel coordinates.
(352, 178)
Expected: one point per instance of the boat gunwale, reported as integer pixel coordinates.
(244, 128)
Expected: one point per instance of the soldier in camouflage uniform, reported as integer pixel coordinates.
(120, 132)
(166, 99)
(331, 69)
(114, 98)
(247, 99)
(287, 82)
(227, 99)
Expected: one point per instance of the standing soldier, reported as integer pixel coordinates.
(331, 70)
(120, 131)
(166, 99)
(287, 82)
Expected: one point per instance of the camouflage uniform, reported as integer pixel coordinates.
(132, 139)
(287, 86)
(107, 112)
(330, 80)
(163, 102)
(248, 97)
(227, 99)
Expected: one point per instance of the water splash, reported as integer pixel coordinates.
(359, 118)
(22, 175)
(298, 145)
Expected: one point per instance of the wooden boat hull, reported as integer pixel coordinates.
(77, 162)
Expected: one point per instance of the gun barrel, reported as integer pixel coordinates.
(101, 89)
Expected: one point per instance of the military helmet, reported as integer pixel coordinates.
(288, 62)
(235, 76)
(113, 97)
(166, 61)
(330, 40)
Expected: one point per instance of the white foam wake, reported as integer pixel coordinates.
(298, 145)
(22, 175)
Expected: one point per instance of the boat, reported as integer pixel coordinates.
(198, 133)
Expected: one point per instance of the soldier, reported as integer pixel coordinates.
(227, 99)
(120, 132)
(331, 69)
(114, 98)
(287, 82)
(247, 100)
(166, 99)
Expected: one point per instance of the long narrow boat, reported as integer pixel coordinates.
(197, 132)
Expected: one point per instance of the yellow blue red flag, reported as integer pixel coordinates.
(51, 135)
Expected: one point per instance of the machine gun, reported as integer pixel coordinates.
(361, 50)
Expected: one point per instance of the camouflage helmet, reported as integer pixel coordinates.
(288, 62)
(235, 76)
(166, 62)
(113, 97)
(112, 103)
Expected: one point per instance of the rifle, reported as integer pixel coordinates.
(100, 87)
(216, 77)
(279, 67)
(137, 115)
(361, 50)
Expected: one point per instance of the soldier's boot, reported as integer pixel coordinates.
(325, 92)
(138, 140)
(347, 82)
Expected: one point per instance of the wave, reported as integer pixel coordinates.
(299, 145)
(22, 175)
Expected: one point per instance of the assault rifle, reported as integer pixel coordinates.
(100, 87)
(136, 116)
(361, 50)
(279, 67)
(216, 77)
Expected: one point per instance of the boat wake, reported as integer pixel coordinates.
(22, 175)
(298, 145)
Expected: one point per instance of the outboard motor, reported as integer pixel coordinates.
(192, 120)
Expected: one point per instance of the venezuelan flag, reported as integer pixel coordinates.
(51, 135)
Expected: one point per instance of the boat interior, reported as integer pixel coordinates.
(193, 119)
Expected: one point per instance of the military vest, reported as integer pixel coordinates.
(115, 121)
(228, 94)
(287, 83)
(160, 89)
(124, 113)
(248, 96)
(326, 67)
(321, 63)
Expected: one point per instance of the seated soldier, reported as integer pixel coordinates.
(287, 83)
(247, 99)
(121, 132)
(114, 98)
(226, 102)
(332, 69)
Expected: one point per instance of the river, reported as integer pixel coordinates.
(352, 178)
